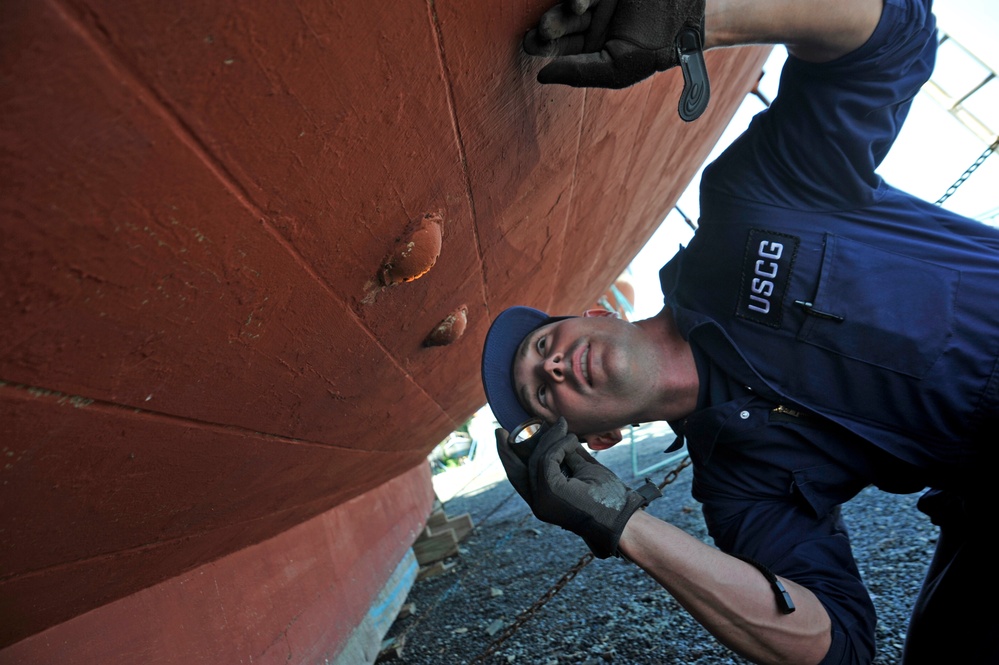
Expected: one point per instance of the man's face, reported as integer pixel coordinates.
(596, 372)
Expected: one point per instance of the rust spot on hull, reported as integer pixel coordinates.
(415, 252)
(448, 330)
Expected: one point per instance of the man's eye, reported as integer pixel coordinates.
(541, 344)
(542, 394)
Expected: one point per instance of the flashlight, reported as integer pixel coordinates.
(526, 436)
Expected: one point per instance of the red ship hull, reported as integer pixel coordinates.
(216, 385)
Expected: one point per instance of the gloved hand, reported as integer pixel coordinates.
(565, 486)
(616, 43)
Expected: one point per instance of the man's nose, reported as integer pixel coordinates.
(554, 366)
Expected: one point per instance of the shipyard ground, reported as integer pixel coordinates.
(612, 612)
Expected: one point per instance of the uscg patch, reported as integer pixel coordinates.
(766, 270)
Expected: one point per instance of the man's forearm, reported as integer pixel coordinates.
(728, 596)
(813, 30)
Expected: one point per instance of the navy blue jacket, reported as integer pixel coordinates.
(812, 284)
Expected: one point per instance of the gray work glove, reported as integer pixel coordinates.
(616, 43)
(565, 486)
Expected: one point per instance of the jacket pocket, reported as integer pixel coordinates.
(824, 487)
(880, 308)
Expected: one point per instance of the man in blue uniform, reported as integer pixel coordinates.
(822, 332)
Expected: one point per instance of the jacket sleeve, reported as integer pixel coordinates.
(814, 551)
(831, 124)
(771, 487)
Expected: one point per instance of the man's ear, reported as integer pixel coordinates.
(604, 440)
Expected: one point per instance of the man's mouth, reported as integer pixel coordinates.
(584, 365)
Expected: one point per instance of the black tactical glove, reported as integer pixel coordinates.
(615, 43)
(565, 486)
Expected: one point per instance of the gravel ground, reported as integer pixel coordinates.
(611, 612)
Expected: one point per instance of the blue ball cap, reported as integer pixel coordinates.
(502, 341)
